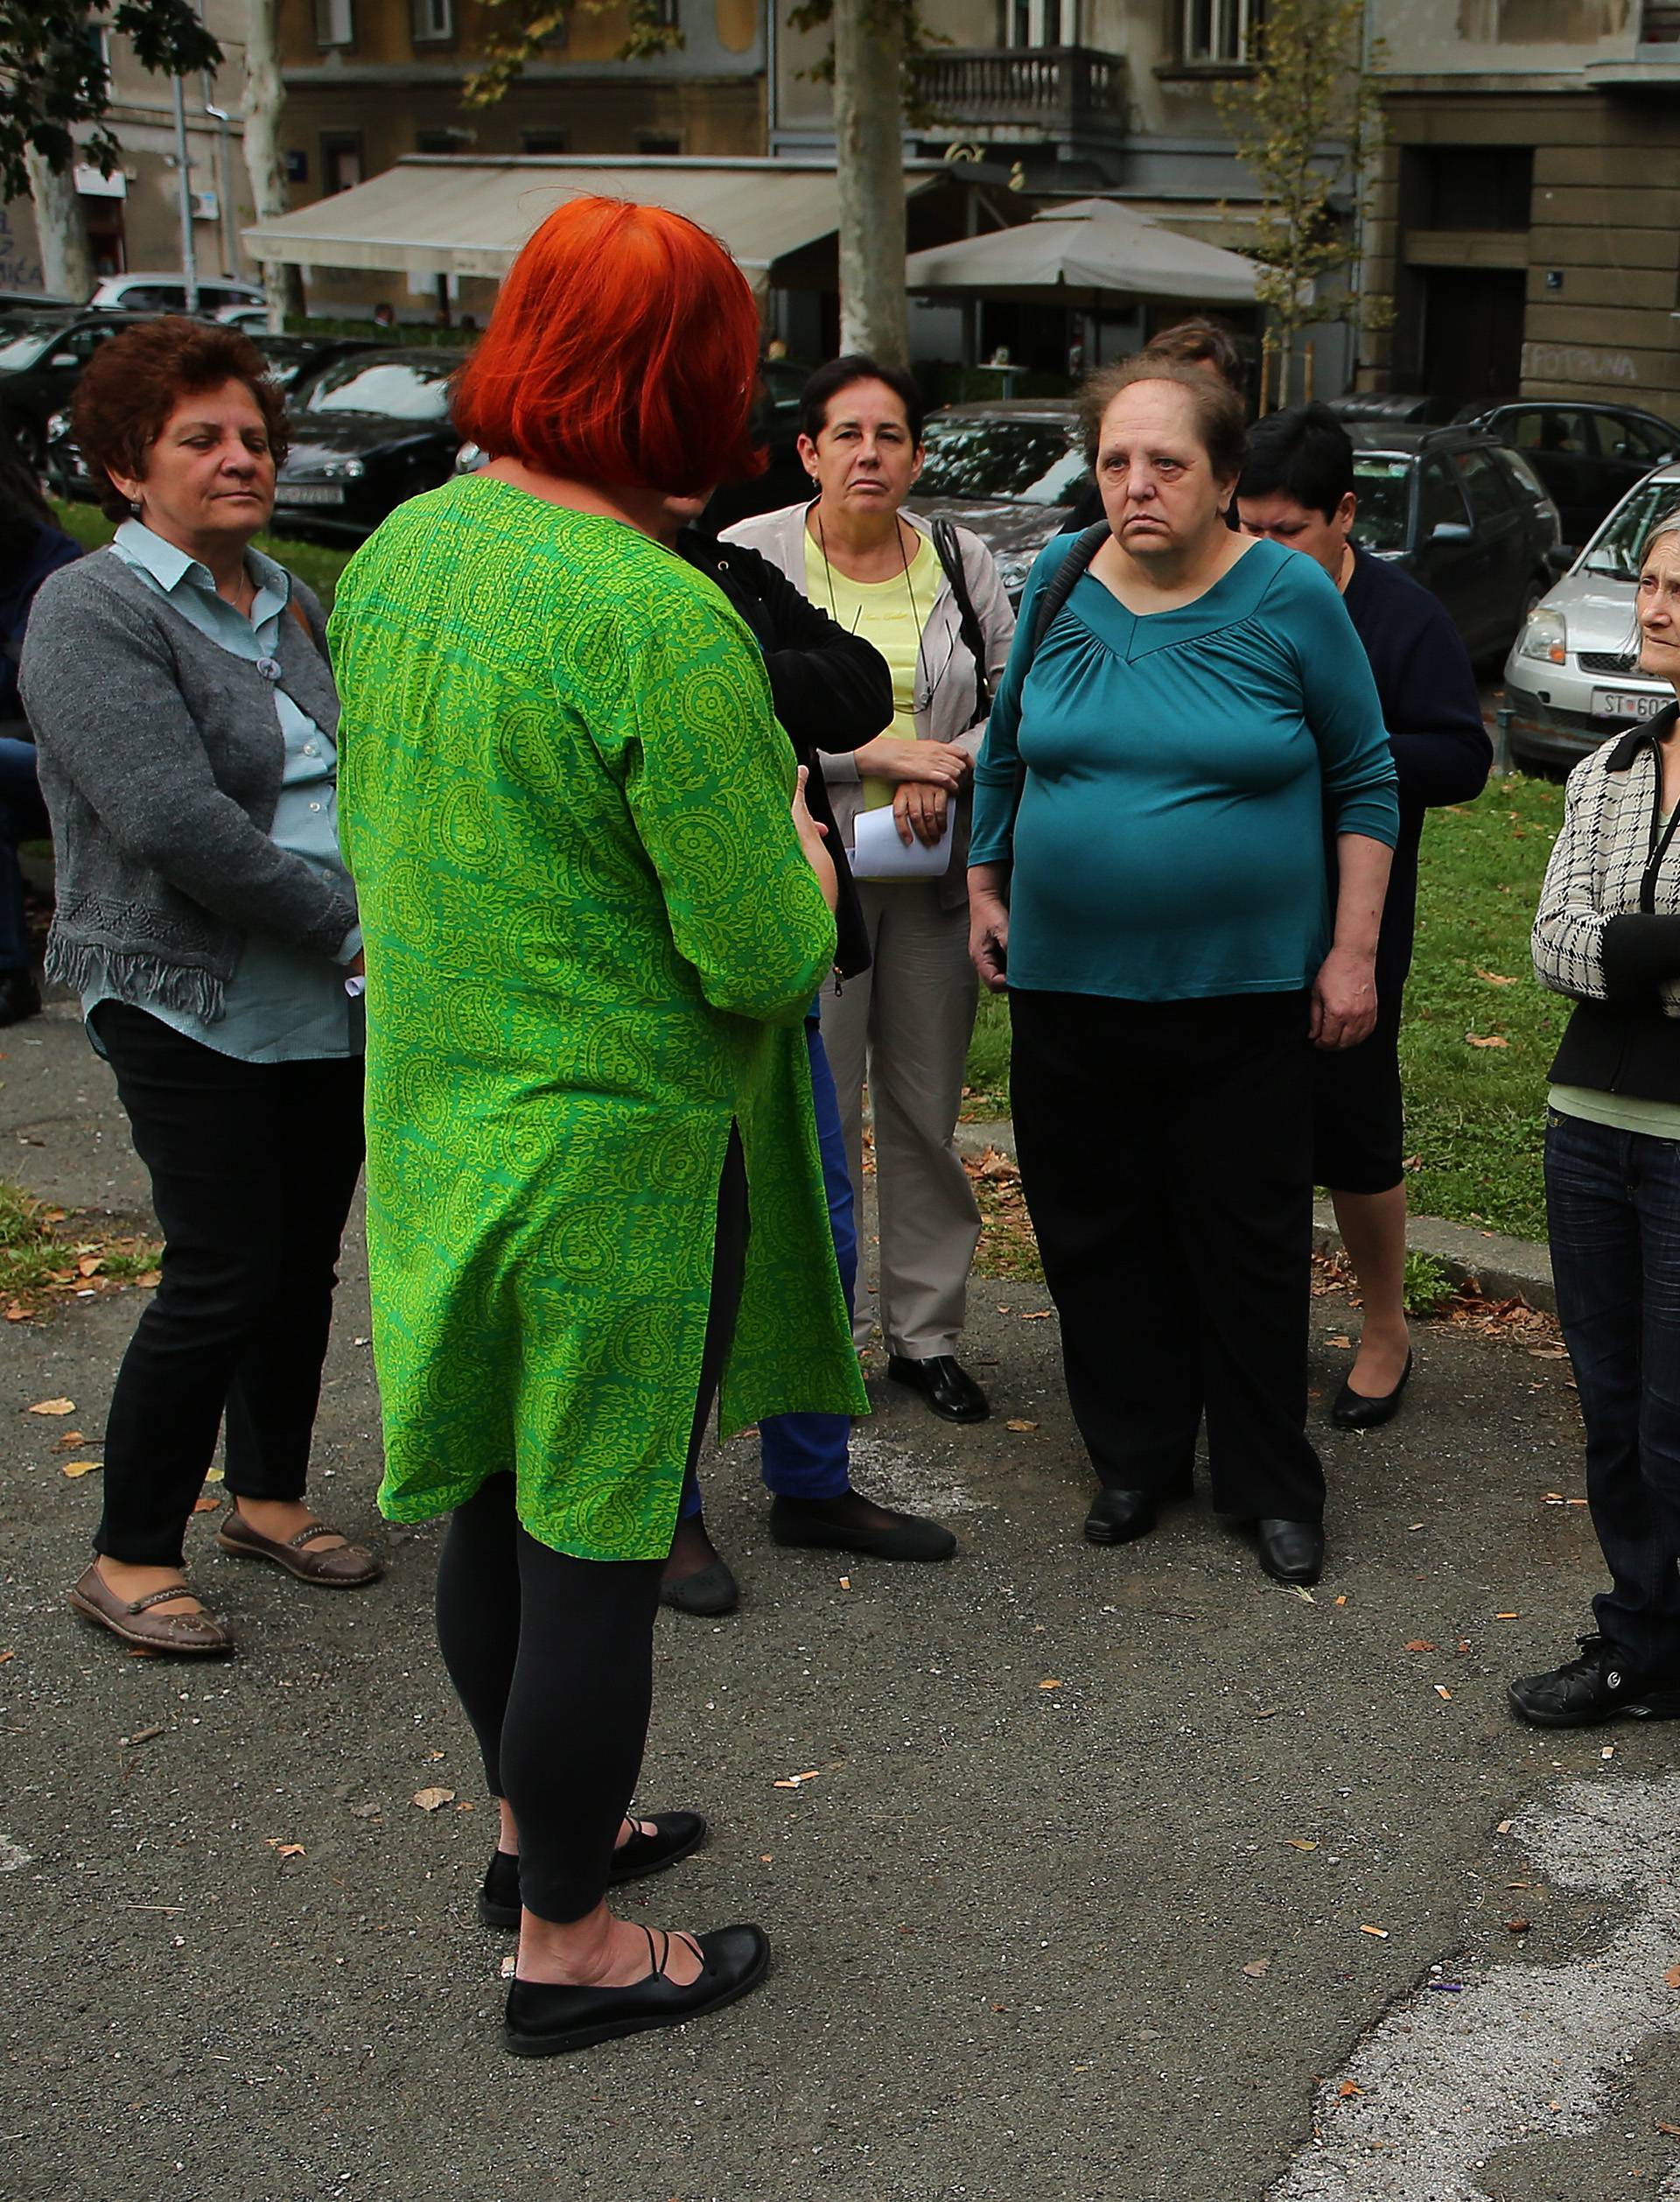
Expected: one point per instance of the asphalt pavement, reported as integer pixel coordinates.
(1090, 1874)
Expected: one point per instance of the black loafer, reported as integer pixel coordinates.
(1290, 1551)
(708, 1592)
(1353, 1410)
(945, 1384)
(546, 2021)
(676, 1834)
(1597, 1686)
(1117, 1517)
(846, 1525)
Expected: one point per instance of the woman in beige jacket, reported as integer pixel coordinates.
(904, 1025)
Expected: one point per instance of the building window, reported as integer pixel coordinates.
(335, 22)
(443, 141)
(1030, 23)
(1466, 187)
(340, 164)
(665, 13)
(1222, 33)
(550, 142)
(432, 21)
(659, 145)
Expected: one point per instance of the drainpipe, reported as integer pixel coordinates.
(230, 256)
(184, 177)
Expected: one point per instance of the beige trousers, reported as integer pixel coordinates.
(905, 1026)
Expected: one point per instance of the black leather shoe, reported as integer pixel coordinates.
(945, 1384)
(852, 1522)
(709, 1591)
(676, 1835)
(1116, 1517)
(546, 2021)
(1597, 1686)
(1359, 1411)
(1290, 1551)
(19, 997)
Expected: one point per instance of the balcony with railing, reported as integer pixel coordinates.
(1659, 24)
(1025, 94)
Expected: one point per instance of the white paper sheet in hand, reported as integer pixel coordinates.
(879, 854)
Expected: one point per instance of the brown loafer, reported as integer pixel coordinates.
(187, 1635)
(343, 1567)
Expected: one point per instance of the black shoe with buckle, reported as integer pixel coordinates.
(1597, 1686)
(945, 1384)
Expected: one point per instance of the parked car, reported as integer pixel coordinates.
(1466, 516)
(1588, 456)
(144, 290)
(367, 433)
(37, 302)
(1573, 677)
(775, 426)
(1400, 408)
(41, 358)
(1012, 470)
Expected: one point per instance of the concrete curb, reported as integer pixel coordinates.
(1499, 1268)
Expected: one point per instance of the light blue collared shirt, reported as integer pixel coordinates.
(283, 1004)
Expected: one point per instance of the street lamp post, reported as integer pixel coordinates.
(184, 177)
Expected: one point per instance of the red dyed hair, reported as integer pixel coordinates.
(622, 352)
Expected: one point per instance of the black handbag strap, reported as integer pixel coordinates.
(1086, 544)
(968, 619)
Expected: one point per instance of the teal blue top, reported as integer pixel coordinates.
(1176, 773)
(284, 1004)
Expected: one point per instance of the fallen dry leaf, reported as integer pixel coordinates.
(70, 1439)
(1420, 1643)
(1516, 1926)
(215, 1475)
(1662, 2126)
(1348, 2087)
(1671, 1978)
(1039, 1315)
(429, 1799)
(1020, 1425)
(53, 1406)
(1340, 1339)
(1258, 1968)
(1494, 1042)
(1381, 1932)
(284, 1849)
(1495, 978)
(150, 1280)
(1049, 1685)
(90, 1264)
(767, 1857)
(205, 1503)
(1297, 1842)
(4, 1655)
(82, 1468)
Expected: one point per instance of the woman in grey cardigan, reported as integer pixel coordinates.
(185, 716)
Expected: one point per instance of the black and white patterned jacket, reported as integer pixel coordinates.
(1606, 932)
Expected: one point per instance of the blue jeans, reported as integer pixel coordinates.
(1613, 1204)
(805, 1456)
(22, 817)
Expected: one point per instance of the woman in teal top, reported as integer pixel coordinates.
(1148, 864)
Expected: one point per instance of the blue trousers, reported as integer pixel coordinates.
(22, 817)
(805, 1456)
(1612, 1209)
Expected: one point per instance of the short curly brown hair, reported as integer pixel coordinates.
(135, 380)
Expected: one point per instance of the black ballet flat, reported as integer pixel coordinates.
(676, 1835)
(547, 2021)
(1358, 1411)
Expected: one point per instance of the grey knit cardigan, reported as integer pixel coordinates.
(161, 758)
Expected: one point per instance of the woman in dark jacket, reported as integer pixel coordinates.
(1607, 934)
(178, 686)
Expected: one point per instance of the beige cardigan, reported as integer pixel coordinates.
(782, 537)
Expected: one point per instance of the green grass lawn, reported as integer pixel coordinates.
(312, 562)
(1474, 1114)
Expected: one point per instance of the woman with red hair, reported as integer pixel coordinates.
(594, 909)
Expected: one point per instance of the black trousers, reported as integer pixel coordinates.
(1165, 1151)
(253, 1168)
(552, 1657)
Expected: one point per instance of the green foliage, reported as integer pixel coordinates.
(1425, 1287)
(317, 564)
(53, 81)
(1307, 122)
(519, 30)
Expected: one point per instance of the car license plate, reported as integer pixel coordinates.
(308, 493)
(1610, 703)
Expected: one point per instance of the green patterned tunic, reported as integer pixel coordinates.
(592, 936)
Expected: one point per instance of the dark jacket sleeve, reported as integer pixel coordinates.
(832, 691)
(1433, 715)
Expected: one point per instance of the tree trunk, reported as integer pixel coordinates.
(66, 259)
(869, 153)
(265, 101)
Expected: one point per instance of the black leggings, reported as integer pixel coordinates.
(552, 1657)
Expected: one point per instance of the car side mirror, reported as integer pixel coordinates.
(1452, 531)
(1561, 557)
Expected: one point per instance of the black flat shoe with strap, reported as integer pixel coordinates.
(652, 1845)
(544, 2020)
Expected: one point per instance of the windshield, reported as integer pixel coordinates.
(1382, 487)
(23, 342)
(1032, 460)
(1615, 551)
(399, 389)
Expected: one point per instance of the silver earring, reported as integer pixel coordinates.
(134, 507)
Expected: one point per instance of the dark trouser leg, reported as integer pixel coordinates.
(215, 1134)
(552, 1655)
(1613, 1205)
(1239, 1159)
(1091, 1119)
(22, 817)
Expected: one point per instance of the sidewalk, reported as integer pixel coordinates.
(1103, 1866)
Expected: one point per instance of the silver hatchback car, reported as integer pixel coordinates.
(1573, 677)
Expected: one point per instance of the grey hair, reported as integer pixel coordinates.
(1666, 523)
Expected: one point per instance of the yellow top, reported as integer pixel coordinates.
(891, 615)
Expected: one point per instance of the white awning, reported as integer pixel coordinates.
(445, 214)
(1089, 245)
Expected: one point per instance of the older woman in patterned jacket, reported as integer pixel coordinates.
(1607, 934)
